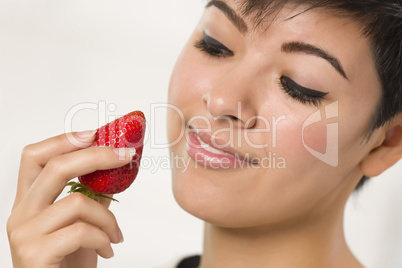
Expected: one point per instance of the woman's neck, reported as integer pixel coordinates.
(305, 245)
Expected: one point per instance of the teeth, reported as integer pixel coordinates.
(211, 149)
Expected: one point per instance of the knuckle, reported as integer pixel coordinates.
(10, 225)
(13, 230)
(60, 139)
(17, 238)
(78, 201)
(29, 152)
(80, 230)
(54, 165)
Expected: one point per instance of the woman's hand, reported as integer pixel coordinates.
(74, 230)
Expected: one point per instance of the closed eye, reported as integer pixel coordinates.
(213, 47)
(300, 93)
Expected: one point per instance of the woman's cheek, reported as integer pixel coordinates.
(188, 80)
(315, 137)
(294, 142)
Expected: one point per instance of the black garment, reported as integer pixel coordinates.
(190, 262)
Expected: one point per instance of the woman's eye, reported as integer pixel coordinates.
(213, 47)
(301, 94)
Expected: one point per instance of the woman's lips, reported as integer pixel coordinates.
(212, 153)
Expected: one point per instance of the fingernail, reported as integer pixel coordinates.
(122, 153)
(86, 134)
(132, 152)
(121, 236)
(112, 252)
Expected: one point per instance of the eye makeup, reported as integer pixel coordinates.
(300, 93)
(213, 47)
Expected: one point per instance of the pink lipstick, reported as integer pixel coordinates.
(212, 153)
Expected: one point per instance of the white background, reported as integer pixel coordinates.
(57, 54)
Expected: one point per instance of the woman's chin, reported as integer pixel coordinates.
(206, 202)
(200, 201)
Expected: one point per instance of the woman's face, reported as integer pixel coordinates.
(286, 107)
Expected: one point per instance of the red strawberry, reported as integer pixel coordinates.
(127, 131)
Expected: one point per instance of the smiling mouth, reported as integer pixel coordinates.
(211, 149)
(210, 152)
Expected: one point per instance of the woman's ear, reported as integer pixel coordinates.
(387, 154)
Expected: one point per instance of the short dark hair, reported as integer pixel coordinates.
(381, 22)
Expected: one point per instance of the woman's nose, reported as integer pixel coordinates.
(232, 99)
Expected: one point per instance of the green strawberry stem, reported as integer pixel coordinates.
(79, 188)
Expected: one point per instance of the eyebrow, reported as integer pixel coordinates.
(300, 47)
(230, 14)
(289, 47)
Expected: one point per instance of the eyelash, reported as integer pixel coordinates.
(213, 50)
(314, 98)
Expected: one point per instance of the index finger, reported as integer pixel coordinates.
(35, 156)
